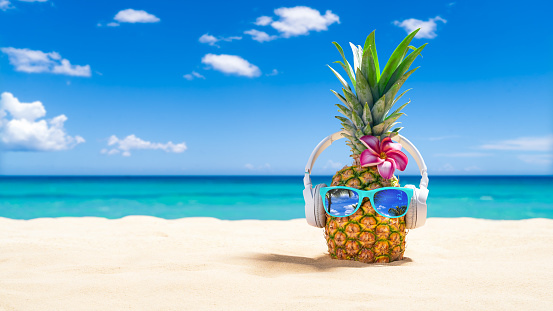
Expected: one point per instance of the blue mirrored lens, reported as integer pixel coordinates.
(341, 202)
(391, 202)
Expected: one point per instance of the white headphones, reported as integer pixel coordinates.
(314, 210)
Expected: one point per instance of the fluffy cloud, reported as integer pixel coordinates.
(263, 20)
(260, 36)
(131, 142)
(21, 131)
(193, 75)
(5, 4)
(299, 20)
(32, 61)
(428, 28)
(211, 40)
(135, 16)
(544, 143)
(231, 64)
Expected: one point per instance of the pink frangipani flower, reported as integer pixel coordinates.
(386, 155)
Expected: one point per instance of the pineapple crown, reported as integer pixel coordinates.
(368, 104)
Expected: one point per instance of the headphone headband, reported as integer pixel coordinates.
(327, 141)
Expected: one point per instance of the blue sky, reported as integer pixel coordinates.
(188, 88)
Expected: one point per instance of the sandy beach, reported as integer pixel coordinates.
(147, 263)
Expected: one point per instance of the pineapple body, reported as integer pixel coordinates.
(365, 236)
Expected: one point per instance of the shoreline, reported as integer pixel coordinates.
(144, 262)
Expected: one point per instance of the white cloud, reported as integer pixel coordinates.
(231, 38)
(263, 20)
(260, 36)
(231, 64)
(428, 28)
(135, 16)
(211, 40)
(33, 0)
(193, 75)
(131, 142)
(34, 61)
(544, 143)
(112, 24)
(537, 159)
(21, 131)
(300, 20)
(5, 5)
(110, 152)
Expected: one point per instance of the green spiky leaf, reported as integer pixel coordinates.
(340, 97)
(383, 127)
(356, 58)
(347, 124)
(344, 110)
(367, 130)
(387, 130)
(356, 147)
(369, 71)
(353, 101)
(394, 89)
(371, 46)
(363, 90)
(407, 50)
(344, 83)
(400, 108)
(394, 60)
(403, 67)
(378, 110)
(400, 96)
(357, 120)
(359, 134)
(347, 68)
(367, 115)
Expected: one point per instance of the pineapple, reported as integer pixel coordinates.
(366, 236)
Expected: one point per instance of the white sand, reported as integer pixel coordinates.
(146, 263)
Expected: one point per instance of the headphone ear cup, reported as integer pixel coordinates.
(411, 216)
(319, 210)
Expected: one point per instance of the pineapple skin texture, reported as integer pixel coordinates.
(365, 236)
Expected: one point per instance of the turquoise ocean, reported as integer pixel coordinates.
(254, 197)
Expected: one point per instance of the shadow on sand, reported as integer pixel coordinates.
(277, 264)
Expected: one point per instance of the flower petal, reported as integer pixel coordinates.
(388, 144)
(368, 158)
(399, 157)
(371, 142)
(386, 169)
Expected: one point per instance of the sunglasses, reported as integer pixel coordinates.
(390, 202)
